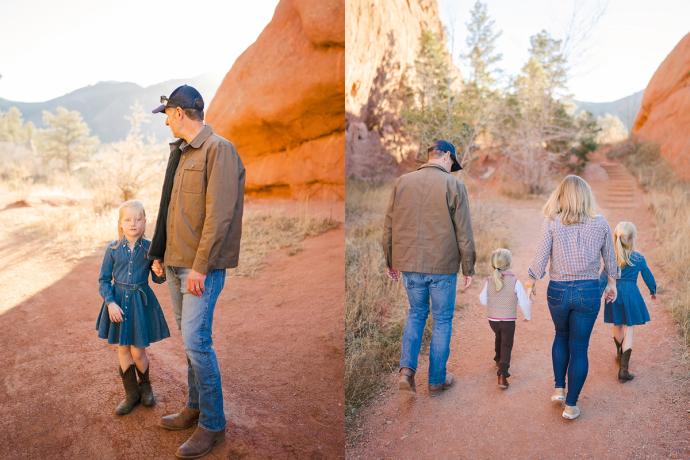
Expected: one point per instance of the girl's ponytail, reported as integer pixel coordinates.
(500, 260)
(624, 242)
(498, 279)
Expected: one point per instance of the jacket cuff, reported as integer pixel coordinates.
(200, 266)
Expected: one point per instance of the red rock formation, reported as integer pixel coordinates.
(382, 45)
(664, 117)
(281, 103)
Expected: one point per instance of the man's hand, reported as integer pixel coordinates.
(158, 268)
(467, 280)
(115, 312)
(393, 274)
(531, 288)
(195, 283)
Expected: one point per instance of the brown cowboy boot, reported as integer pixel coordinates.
(435, 390)
(619, 350)
(132, 397)
(147, 398)
(200, 443)
(182, 420)
(406, 380)
(623, 374)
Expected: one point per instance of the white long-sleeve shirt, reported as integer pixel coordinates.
(523, 299)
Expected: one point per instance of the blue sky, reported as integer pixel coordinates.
(49, 48)
(626, 46)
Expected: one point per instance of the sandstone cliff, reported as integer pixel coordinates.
(382, 44)
(281, 103)
(664, 117)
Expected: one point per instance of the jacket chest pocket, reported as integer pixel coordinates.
(193, 178)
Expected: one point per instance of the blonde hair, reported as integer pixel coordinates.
(500, 260)
(131, 204)
(572, 200)
(624, 242)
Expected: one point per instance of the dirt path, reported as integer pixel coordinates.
(645, 418)
(279, 339)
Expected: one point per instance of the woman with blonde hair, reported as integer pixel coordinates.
(629, 308)
(575, 240)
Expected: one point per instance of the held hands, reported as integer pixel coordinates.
(195, 283)
(158, 268)
(610, 293)
(531, 288)
(467, 281)
(115, 312)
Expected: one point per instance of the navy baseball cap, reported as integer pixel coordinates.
(185, 97)
(445, 146)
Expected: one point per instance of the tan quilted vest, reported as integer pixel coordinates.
(502, 304)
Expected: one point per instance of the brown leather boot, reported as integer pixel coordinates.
(200, 443)
(619, 350)
(623, 374)
(182, 420)
(435, 390)
(503, 381)
(132, 397)
(145, 390)
(406, 380)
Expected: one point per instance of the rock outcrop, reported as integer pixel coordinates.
(281, 103)
(664, 117)
(382, 45)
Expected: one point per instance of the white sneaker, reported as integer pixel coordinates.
(558, 395)
(571, 412)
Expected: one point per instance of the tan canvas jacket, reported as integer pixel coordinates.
(204, 224)
(427, 228)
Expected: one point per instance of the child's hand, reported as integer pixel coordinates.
(157, 268)
(653, 296)
(115, 312)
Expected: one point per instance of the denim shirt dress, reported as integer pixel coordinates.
(629, 308)
(124, 280)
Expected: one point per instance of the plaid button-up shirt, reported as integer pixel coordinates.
(575, 250)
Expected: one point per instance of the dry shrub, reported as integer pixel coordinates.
(670, 200)
(375, 307)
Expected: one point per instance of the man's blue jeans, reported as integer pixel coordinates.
(194, 317)
(441, 290)
(574, 306)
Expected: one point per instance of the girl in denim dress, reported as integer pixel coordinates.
(629, 308)
(130, 316)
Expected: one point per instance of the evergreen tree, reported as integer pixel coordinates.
(66, 138)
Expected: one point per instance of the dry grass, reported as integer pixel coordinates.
(375, 307)
(670, 200)
(77, 231)
(264, 233)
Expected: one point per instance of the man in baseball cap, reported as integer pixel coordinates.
(427, 236)
(197, 237)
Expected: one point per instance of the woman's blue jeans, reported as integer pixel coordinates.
(421, 287)
(574, 306)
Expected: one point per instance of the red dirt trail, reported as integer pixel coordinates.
(645, 418)
(279, 339)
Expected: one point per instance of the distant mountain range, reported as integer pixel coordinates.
(105, 105)
(625, 108)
